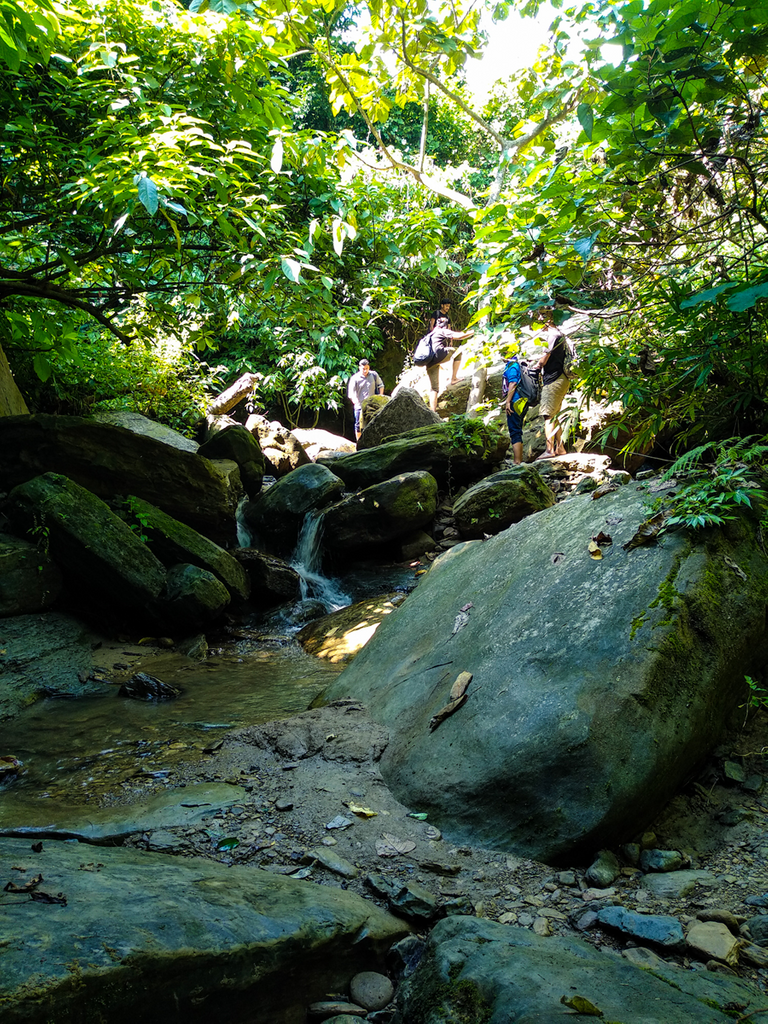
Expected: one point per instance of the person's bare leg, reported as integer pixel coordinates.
(455, 370)
(550, 433)
(517, 452)
(433, 401)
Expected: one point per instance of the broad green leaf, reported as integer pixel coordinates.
(42, 366)
(291, 269)
(746, 299)
(148, 195)
(707, 296)
(586, 118)
(584, 246)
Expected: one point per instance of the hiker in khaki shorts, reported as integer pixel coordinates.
(555, 387)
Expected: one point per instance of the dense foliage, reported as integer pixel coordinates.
(284, 187)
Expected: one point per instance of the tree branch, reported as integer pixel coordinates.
(65, 299)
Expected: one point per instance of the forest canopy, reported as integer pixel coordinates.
(281, 187)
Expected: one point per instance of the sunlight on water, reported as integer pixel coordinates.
(307, 561)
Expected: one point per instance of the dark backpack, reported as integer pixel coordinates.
(422, 354)
(529, 385)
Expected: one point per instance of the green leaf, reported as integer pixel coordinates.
(42, 366)
(583, 246)
(586, 118)
(291, 269)
(747, 298)
(707, 296)
(148, 195)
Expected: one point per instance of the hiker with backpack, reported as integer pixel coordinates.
(435, 348)
(362, 385)
(555, 386)
(520, 390)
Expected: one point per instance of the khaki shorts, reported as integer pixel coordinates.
(552, 396)
(433, 372)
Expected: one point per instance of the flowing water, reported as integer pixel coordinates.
(78, 751)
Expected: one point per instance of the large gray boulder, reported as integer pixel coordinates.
(501, 499)
(138, 424)
(238, 445)
(500, 973)
(380, 513)
(173, 543)
(29, 580)
(405, 411)
(282, 449)
(278, 513)
(598, 685)
(104, 562)
(149, 937)
(272, 580)
(109, 460)
(457, 452)
(193, 597)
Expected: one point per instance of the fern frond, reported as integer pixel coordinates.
(687, 462)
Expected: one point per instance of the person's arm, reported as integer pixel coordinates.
(512, 385)
(352, 391)
(459, 335)
(379, 385)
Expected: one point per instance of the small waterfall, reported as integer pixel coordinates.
(307, 560)
(244, 538)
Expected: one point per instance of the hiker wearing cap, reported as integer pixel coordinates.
(362, 385)
(555, 387)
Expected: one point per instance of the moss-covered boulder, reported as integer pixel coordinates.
(239, 445)
(477, 971)
(272, 580)
(29, 580)
(456, 452)
(380, 513)
(277, 514)
(501, 499)
(109, 460)
(405, 411)
(193, 597)
(105, 564)
(601, 678)
(148, 937)
(173, 542)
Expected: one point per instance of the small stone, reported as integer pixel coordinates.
(660, 860)
(675, 884)
(648, 840)
(714, 940)
(509, 918)
(754, 954)
(371, 990)
(283, 805)
(459, 906)
(723, 916)
(734, 772)
(631, 853)
(567, 878)
(660, 930)
(597, 894)
(334, 862)
(554, 915)
(542, 927)
(758, 929)
(525, 920)
(604, 871)
(586, 921)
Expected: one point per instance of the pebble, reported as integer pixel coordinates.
(713, 940)
(334, 862)
(661, 860)
(542, 927)
(675, 884)
(525, 920)
(661, 930)
(283, 805)
(604, 871)
(371, 990)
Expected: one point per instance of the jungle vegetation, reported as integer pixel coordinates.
(194, 190)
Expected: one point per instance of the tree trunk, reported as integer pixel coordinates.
(477, 390)
(11, 400)
(235, 393)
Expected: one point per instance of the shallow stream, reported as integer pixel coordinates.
(108, 748)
